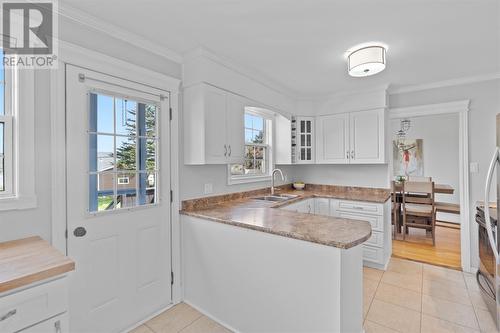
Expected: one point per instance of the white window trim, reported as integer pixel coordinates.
(19, 107)
(269, 128)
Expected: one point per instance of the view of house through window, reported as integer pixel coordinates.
(256, 159)
(123, 153)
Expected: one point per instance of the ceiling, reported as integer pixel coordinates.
(301, 44)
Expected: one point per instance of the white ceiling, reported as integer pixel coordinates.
(301, 43)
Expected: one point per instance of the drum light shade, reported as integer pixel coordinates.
(366, 61)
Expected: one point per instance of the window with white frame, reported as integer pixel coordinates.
(123, 152)
(6, 135)
(257, 163)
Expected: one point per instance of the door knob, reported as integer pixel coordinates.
(79, 232)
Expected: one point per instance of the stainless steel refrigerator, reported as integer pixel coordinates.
(488, 275)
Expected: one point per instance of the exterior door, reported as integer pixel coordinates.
(118, 205)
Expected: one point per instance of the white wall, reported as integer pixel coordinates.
(485, 104)
(440, 149)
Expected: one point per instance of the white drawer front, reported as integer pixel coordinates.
(58, 324)
(374, 254)
(377, 222)
(33, 305)
(376, 239)
(360, 207)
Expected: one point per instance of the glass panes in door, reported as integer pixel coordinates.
(123, 152)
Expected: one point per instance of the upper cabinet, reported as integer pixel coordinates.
(332, 139)
(213, 126)
(304, 140)
(351, 138)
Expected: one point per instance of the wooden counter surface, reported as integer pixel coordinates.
(29, 260)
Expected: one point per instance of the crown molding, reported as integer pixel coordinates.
(445, 83)
(244, 70)
(112, 30)
(430, 109)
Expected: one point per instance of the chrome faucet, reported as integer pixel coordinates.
(272, 178)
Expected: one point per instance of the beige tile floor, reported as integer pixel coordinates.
(181, 318)
(415, 297)
(408, 297)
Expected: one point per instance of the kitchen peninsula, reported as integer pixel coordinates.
(254, 265)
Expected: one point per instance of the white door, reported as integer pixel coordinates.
(332, 144)
(367, 136)
(235, 124)
(118, 204)
(215, 126)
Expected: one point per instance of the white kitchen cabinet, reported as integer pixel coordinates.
(213, 125)
(322, 206)
(367, 136)
(351, 138)
(303, 206)
(332, 139)
(58, 324)
(304, 140)
(283, 140)
(377, 249)
(35, 308)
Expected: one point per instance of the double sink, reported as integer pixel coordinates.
(276, 197)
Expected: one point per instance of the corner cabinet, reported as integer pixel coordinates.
(351, 138)
(213, 126)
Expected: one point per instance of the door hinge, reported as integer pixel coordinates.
(66, 233)
(171, 196)
(170, 113)
(172, 278)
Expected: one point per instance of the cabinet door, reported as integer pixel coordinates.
(305, 138)
(216, 148)
(322, 206)
(332, 139)
(235, 125)
(367, 136)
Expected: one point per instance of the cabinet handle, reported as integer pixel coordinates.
(347, 153)
(229, 150)
(225, 150)
(57, 326)
(352, 154)
(8, 315)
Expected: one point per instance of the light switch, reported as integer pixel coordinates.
(474, 167)
(208, 188)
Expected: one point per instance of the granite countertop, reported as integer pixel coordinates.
(239, 209)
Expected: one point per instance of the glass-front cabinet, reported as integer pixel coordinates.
(304, 140)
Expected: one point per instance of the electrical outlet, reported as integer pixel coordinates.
(208, 188)
(474, 167)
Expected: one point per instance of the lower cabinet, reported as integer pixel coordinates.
(377, 249)
(58, 324)
(40, 308)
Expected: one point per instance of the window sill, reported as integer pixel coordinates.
(248, 179)
(18, 203)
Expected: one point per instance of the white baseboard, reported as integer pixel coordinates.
(206, 313)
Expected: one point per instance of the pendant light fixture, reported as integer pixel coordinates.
(366, 61)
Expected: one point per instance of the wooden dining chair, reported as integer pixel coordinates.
(419, 208)
(419, 179)
(395, 208)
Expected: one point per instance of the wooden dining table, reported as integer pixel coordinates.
(438, 188)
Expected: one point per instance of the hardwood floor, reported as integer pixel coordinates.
(418, 247)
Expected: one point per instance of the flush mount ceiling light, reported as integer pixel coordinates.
(366, 61)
